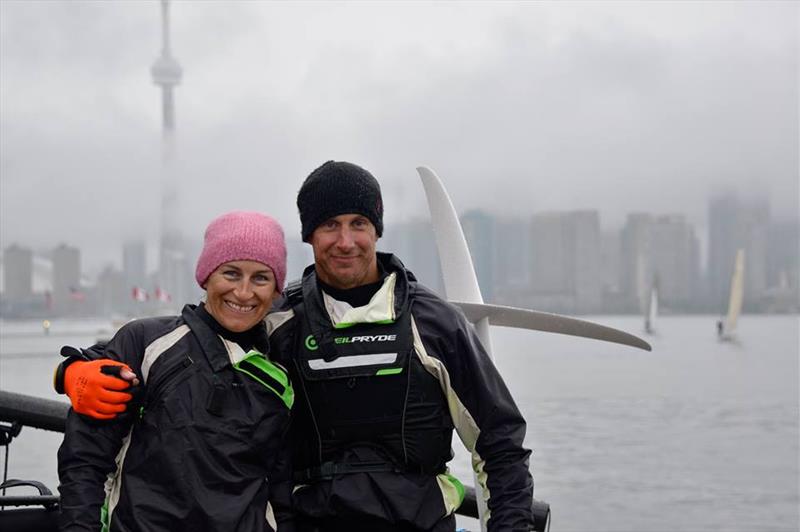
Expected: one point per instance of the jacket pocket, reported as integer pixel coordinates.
(166, 379)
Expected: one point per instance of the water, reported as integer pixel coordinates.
(696, 436)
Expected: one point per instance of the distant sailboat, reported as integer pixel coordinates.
(726, 330)
(652, 311)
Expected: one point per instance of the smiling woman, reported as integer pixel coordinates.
(239, 294)
(212, 410)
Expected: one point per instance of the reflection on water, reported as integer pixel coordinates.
(697, 435)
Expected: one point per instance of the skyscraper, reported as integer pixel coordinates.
(734, 224)
(17, 273)
(783, 267)
(675, 256)
(414, 243)
(478, 227)
(67, 291)
(566, 261)
(134, 274)
(661, 250)
(511, 268)
(636, 261)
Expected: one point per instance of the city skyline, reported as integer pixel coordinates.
(561, 261)
(194, 239)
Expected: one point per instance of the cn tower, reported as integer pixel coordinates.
(167, 74)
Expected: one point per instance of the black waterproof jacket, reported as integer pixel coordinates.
(476, 402)
(202, 453)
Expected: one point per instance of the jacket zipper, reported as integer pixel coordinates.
(185, 363)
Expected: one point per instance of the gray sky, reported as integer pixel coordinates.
(520, 107)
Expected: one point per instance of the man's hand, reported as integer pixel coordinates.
(95, 387)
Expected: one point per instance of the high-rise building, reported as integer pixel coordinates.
(549, 254)
(512, 273)
(414, 243)
(636, 260)
(566, 261)
(17, 273)
(733, 225)
(112, 294)
(134, 275)
(675, 256)
(134, 264)
(587, 260)
(68, 295)
(662, 251)
(478, 227)
(783, 257)
(783, 267)
(611, 252)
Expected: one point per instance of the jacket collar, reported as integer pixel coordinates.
(219, 352)
(389, 302)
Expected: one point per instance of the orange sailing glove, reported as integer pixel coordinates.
(94, 387)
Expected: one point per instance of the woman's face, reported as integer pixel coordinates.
(239, 294)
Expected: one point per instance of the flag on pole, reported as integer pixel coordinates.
(76, 294)
(139, 294)
(162, 295)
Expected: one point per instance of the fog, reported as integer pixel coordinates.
(519, 107)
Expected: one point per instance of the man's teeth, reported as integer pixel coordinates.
(240, 308)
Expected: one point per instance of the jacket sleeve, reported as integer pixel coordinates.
(90, 447)
(484, 414)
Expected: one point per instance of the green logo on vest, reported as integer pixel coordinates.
(311, 343)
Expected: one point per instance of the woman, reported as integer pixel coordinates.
(202, 451)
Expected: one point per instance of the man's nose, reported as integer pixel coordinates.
(345, 240)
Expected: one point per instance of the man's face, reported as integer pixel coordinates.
(344, 251)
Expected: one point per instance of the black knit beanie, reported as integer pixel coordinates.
(337, 188)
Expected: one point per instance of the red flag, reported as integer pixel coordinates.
(163, 295)
(76, 294)
(139, 294)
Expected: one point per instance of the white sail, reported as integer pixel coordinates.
(736, 296)
(652, 311)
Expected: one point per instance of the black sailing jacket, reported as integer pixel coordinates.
(444, 351)
(204, 451)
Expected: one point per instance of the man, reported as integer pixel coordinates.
(384, 370)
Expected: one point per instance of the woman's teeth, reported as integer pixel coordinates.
(240, 308)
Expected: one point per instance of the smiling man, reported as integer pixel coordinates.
(385, 370)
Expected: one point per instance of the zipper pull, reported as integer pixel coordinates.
(217, 398)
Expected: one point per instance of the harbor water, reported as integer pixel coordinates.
(697, 435)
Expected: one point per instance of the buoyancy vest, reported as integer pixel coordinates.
(362, 388)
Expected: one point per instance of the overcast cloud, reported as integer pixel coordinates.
(519, 107)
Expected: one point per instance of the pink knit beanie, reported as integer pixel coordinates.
(242, 235)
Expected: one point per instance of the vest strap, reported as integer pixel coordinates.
(328, 470)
